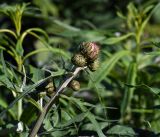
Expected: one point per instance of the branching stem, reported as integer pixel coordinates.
(51, 102)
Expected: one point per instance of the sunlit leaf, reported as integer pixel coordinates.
(119, 130)
(106, 67)
(114, 40)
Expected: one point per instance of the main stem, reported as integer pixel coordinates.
(51, 102)
(19, 111)
(138, 38)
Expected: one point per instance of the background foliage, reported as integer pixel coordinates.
(37, 40)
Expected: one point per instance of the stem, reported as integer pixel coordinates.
(51, 101)
(19, 111)
(138, 37)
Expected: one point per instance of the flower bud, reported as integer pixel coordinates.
(75, 85)
(90, 50)
(50, 88)
(79, 60)
(93, 66)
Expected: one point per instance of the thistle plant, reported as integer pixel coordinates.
(91, 52)
(50, 86)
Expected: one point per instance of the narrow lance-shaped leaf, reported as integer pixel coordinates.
(131, 79)
(19, 47)
(30, 89)
(114, 40)
(147, 19)
(89, 115)
(106, 67)
(6, 74)
(93, 120)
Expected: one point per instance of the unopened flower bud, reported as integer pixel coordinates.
(93, 66)
(79, 60)
(90, 50)
(50, 88)
(75, 85)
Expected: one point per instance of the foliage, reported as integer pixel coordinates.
(37, 41)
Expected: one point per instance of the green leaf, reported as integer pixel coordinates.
(120, 130)
(155, 91)
(29, 114)
(65, 26)
(4, 65)
(19, 48)
(5, 79)
(106, 67)
(89, 126)
(114, 40)
(128, 93)
(31, 31)
(89, 115)
(33, 102)
(30, 89)
(8, 31)
(77, 118)
(4, 104)
(37, 74)
(96, 125)
(147, 19)
(154, 53)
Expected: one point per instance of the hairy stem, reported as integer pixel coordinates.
(51, 102)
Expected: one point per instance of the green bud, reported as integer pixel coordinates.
(75, 85)
(93, 66)
(50, 88)
(79, 60)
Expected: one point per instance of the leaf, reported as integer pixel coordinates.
(156, 91)
(18, 79)
(65, 26)
(153, 90)
(4, 65)
(19, 48)
(45, 43)
(77, 118)
(29, 114)
(157, 44)
(128, 93)
(8, 31)
(114, 40)
(37, 74)
(89, 115)
(120, 130)
(36, 104)
(5, 81)
(96, 125)
(106, 67)
(4, 104)
(30, 89)
(31, 31)
(89, 126)
(147, 19)
(154, 53)
(5, 78)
